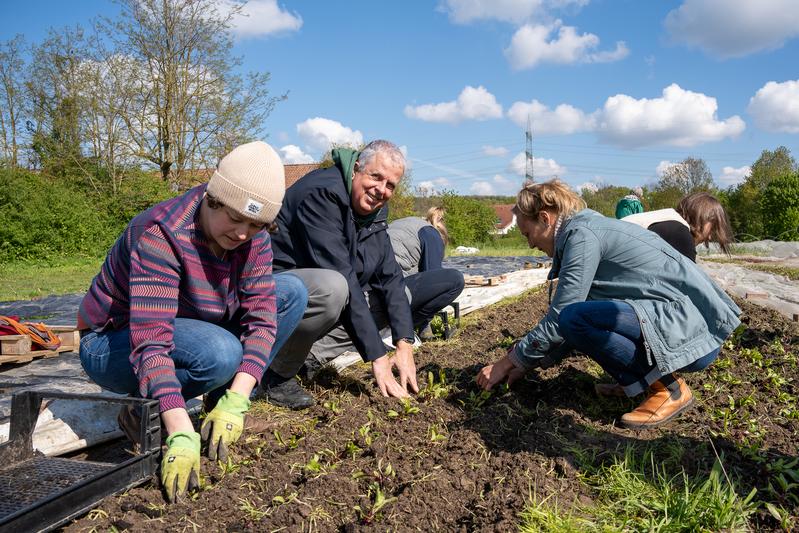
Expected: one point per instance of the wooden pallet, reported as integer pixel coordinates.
(482, 281)
(18, 348)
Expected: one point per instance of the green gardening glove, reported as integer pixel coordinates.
(180, 466)
(224, 424)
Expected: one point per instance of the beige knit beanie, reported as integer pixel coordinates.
(251, 181)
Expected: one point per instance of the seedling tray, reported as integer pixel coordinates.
(39, 493)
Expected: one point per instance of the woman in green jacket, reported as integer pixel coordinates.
(624, 297)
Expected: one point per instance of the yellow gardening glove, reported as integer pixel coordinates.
(180, 466)
(224, 424)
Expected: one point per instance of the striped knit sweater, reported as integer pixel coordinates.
(161, 268)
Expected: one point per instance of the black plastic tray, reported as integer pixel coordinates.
(39, 493)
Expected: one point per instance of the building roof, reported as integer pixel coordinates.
(504, 215)
(295, 172)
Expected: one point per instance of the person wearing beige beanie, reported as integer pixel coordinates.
(186, 304)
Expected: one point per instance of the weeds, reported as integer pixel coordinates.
(638, 494)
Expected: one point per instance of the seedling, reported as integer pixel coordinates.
(333, 405)
(289, 444)
(253, 512)
(436, 389)
(435, 435)
(407, 410)
(475, 400)
(365, 432)
(378, 501)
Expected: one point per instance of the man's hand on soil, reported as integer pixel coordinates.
(406, 366)
(490, 375)
(384, 377)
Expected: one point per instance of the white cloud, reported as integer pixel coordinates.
(679, 118)
(504, 185)
(472, 104)
(563, 120)
(433, 187)
(322, 133)
(292, 154)
(734, 28)
(587, 186)
(263, 17)
(495, 151)
(542, 168)
(531, 45)
(733, 176)
(482, 188)
(513, 11)
(775, 107)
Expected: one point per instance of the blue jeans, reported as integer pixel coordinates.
(610, 334)
(206, 355)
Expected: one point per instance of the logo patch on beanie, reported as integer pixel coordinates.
(253, 207)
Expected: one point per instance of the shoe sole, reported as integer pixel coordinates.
(647, 425)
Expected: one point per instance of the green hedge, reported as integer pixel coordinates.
(49, 218)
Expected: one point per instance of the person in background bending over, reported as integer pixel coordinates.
(418, 245)
(630, 204)
(624, 298)
(186, 304)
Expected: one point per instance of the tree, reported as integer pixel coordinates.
(191, 106)
(469, 221)
(54, 86)
(744, 201)
(12, 71)
(604, 199)
(780, 207)
(688, 176)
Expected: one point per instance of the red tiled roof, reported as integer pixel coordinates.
(504, 215)
(295, 172)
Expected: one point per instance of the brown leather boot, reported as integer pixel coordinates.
(661, 405)
(611, 390)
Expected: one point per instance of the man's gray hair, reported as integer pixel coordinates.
(387, 148)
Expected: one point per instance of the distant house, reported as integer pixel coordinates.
(295, 172)
(506, 220)
(192, 178)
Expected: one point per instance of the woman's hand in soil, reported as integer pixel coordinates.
(180, 466)
(406, 366)
(224, 424)
(384, 377)
(498, 372)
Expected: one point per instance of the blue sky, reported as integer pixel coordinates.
(616, 89)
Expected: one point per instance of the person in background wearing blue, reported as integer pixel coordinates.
(418, 245)
(624, 298)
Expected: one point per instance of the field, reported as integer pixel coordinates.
(543, 456)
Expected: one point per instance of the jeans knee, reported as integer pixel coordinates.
(223, 353)
(291, 292)
(567, 321)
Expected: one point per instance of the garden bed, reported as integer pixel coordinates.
(546, 454)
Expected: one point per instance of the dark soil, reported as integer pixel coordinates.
(465, 462)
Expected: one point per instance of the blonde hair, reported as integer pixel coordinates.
(435, 216)
(553, 194)
(699, 210)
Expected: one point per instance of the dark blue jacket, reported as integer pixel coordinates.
(316, 229)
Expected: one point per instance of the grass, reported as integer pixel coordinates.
(636, 493)
(499, 251)
(22, 280)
